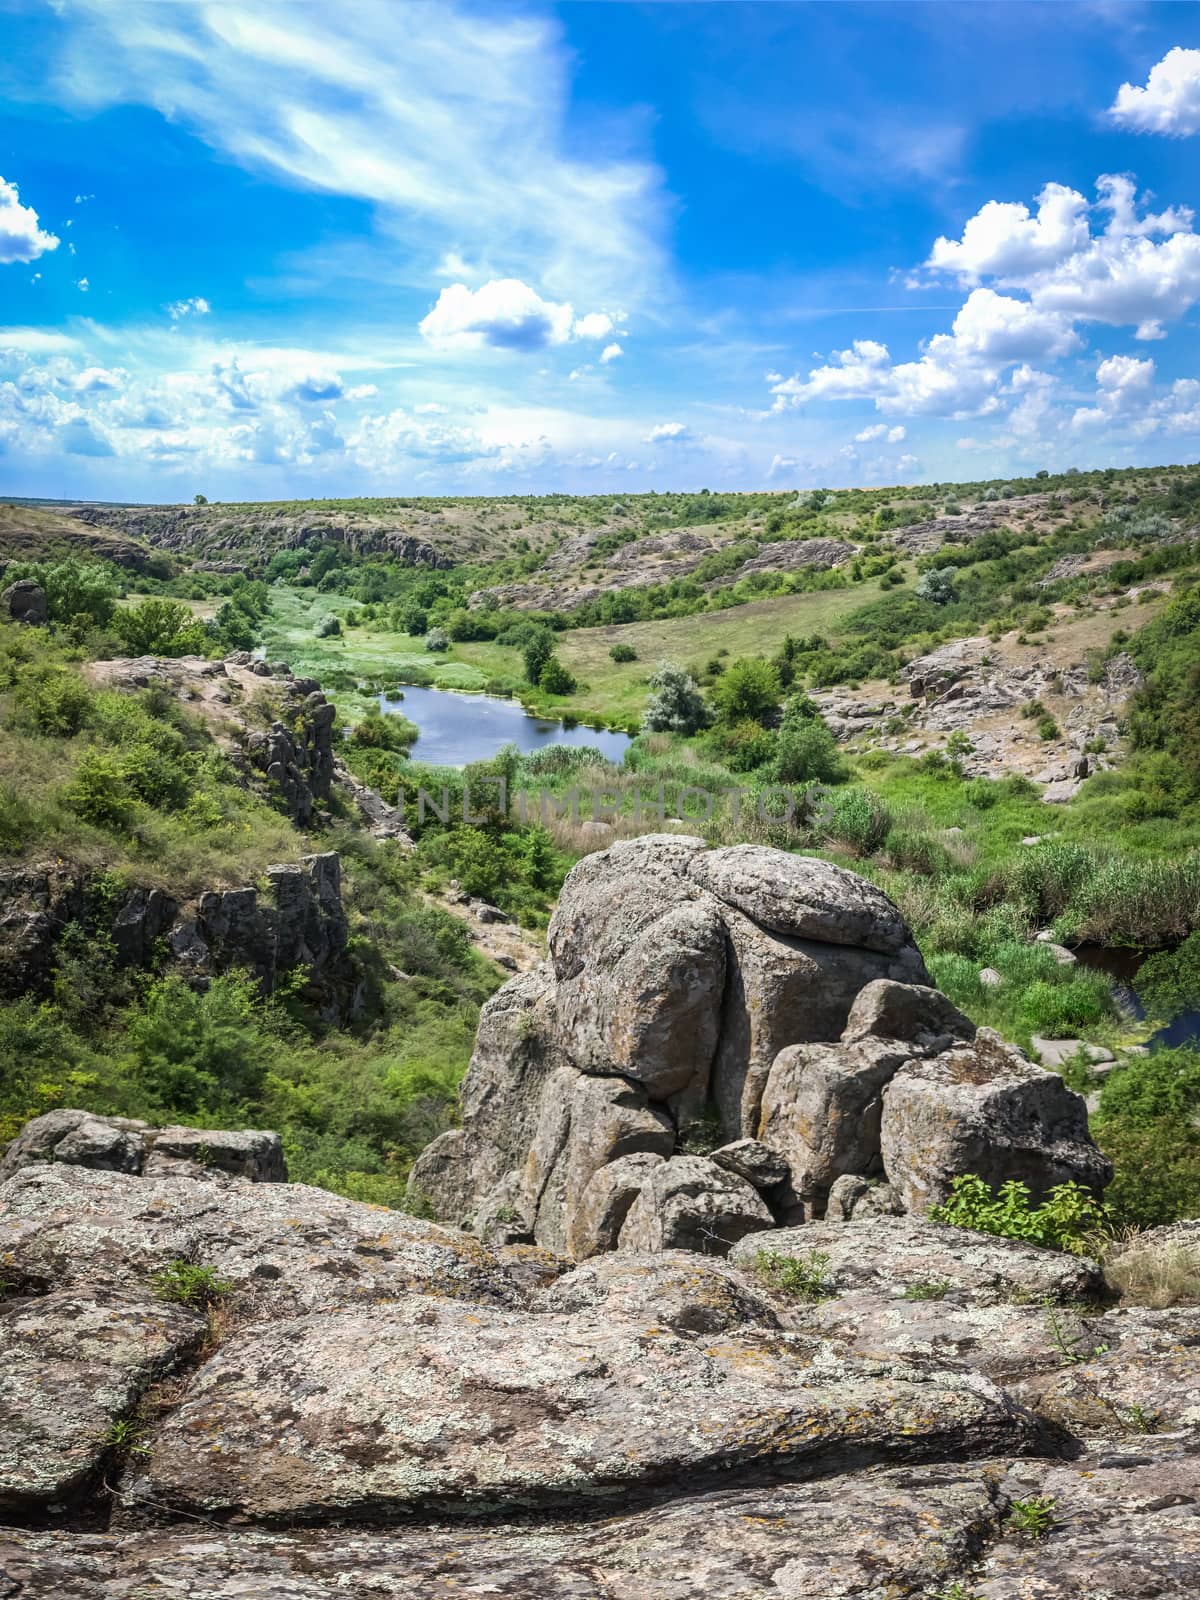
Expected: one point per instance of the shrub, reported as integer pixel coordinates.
(99, 793)
(623, 652)
(803, 1277)
(554, 678)
(160, 627)
(806, 751)
(537, 650)
(857, 819)
(187, 1284)
(328, 628)
(937, 585)
(1065, 1220)
(54, 699)
(676, 705)
(748, 691)
(1168, 982)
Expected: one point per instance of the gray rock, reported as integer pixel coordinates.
(76, 1138)
(600, 1213)
(1144, 1376)
(989, 978)
(1057, 1053)
(761, 1166)
(24, 601)
(249, 1153)
(690, 1203)
(677, 1289)
(802, 897)
(584, 1124)
(884, 1255)
(913, 1529)
(425, 1404)
(983, 1108)
(284, 1248)
(822, 1110)
(914, 1012)
(71, 1364)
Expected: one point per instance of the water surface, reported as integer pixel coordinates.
(458, 728)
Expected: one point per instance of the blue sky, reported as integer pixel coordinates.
(259, 250)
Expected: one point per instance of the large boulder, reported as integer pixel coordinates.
(24, 601)
(984, 1108)
(676, 976)
(693, 1204)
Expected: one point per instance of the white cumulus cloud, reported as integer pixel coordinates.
(611, 352)
(21, 236)
(505, 314)
(1170, 101)
(880, 433)
(667, 433)
(197, 306)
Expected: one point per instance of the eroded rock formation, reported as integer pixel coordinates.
(775, 1001)
(380, 1405)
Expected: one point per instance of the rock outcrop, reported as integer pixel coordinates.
(298, 920)
(373, 1404)
(777, 998)
(23, 601)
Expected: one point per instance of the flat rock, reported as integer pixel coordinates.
(884, 1532)
(676, 1289)
(1127, 1528)
(426, 1403)
(71, 1364)
(285, 1248)
(77, 1138)
(884, 1255)
(1147, 1379)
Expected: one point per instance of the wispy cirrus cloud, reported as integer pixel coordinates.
(433, 114)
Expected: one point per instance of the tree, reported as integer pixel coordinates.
(328, 628)
(676, 706)
(806, 751)
(200, 499)
(748, 691)
(436, 640)
(937, 585)
(159, 627)
(555, 678)
(539, 647)
(77, 592)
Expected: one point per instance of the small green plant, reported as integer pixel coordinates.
(928, 1289)
(1137, 1419)
(803, 1278)
(187, 1284)
(127, 1435)
(623, 652)
(1067, 1219)
(1072, 1344)
(1033, 1517)
(956, 1591)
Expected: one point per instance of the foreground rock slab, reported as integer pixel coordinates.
(283, 1248)
(887, 1255)
(426, 1404)
(882, 1534)
(72, 1365)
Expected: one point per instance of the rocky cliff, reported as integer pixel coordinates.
(218, 1383)
(724, 1040)
(296, 919)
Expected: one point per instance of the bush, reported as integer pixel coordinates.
(54, 700)
(748, 691)
(857, 819)
(328, 628)
(806, 752)
(99, 793)
(1168, 982)
(161, 628)
(676, 706)
(537, 650)
(554, 678)
(937, 585)
(623, 652)
(1065, 1220)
